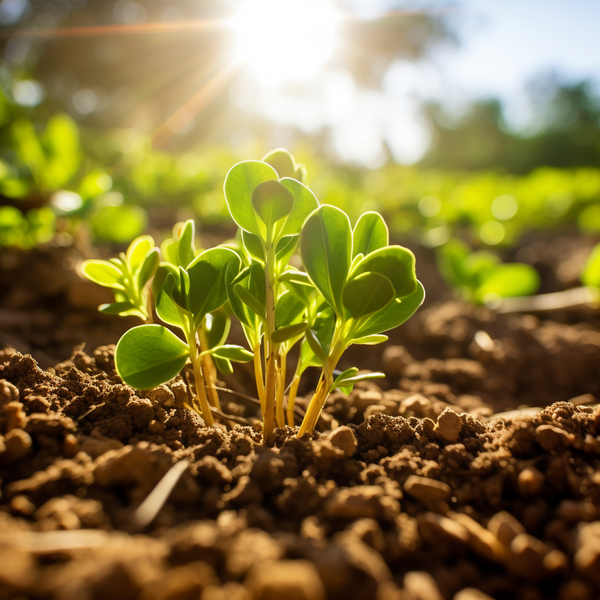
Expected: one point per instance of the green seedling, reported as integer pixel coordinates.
(480, 277)
(189, 299)
(128, 277)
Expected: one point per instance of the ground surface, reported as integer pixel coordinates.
(472, 471)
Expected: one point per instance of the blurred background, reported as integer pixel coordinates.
(472, 118)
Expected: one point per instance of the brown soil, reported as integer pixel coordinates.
(471, 472)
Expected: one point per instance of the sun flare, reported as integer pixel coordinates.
(285, 40)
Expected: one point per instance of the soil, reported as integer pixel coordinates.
(472, 471)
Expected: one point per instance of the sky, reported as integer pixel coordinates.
(502, 45)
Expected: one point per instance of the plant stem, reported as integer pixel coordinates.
(316, 404)
(200, 391)
(208, 368)
(280, 390)
(258, 376)
(292, 400)
(270, 347)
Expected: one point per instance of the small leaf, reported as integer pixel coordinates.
(223, 365)
(394, 262)
(371, 340)
(164, 268)
(315, 346)
(347, 374)
(239, 185)
(326, 246)
(116, 308)
(138, 249)
(186, 248)
(149, 355)
(272, 202)
(288, 309)
(250, 301)
(295, 276)
(148, 268)
(508, 280)
(285, 249)
(305, 202)
(103, 273)
(217, 325)
(367, 294)
(253, 246)
(370, 233)
(252, 279)
(346, 382)
(232, 352)
(449, 260)
(283, 334)
(282, 161)
(590, 275)
(166, 308)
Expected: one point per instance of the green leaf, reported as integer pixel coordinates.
(325, 247)
(367, 294)
(305, 202)
(209, 274)
(288, 309)
(346, 382)
(103, 273)
(315, 346)
(394, 262)
(164, 268)
(169, 252)
(233, 353)
(217, 326)
(250, 301)
(149, 355)
(119, 224)
(252, 279)
(138, 250)
(186, 249)
(272, 202)
(370, 233)
(253, 246)
(223, 365)
(590, 275)
(393, 315)
(166, 308)
(148, 268)
(283, 334)
(449, 259)
(285, 249)
(282, 161)
(478, 267)
(116, 308)
(240, 183)
(371, 340)
(514, 279)
(347, 374)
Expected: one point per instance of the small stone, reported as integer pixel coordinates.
(15, 416)
(416, 405)
(505, 527)
(448, 426)
(161, 396)
(583, 400)
(426, 489)
(480, 539)
(471, 594)
(433, 526)
(422, 586)
(18, 445)
(71, 445)
(530, 482)
(344, 439)
(364, 501)
(22, 505)
(365, 398)
(553, 438)
(289, 579)
(526, 558)
(556, 561)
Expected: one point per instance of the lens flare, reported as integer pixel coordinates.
(284, 41)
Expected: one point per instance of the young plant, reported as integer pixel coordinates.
(480, 277)
(270, 212)
(128, 277)
(149, 355)
(368, 286)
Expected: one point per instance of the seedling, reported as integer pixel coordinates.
(128, 277)
(480, 277)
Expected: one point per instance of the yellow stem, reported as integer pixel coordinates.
(269, 422)
(292, 400)
(200, 391)
(280, 390)
(258, 376)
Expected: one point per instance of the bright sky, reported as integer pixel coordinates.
(503, 44)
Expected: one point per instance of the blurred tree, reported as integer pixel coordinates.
(566, 132)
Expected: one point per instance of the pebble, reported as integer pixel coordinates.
(433, 526)
(8, 392)
(285, 579)
(363, 501)
(505, 527)
(161, 395)
(530, 482)
(480, 539)
(422, 586)
(471, 594)
(344, 439)
(18, 445)
(553, 438)
(365, 398)
(394, 359)
(448, 426)
(426, 489)
(526, 558)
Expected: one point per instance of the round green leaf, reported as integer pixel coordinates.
(370, 233)
(325, 247)
(394, 262)
(185, 245)
(367, 294)
(282, 161)
(149, 355)
(514, 279)
(233, 352)
(240, 182)
(137, 251)
(272, 202)
(304, 203)
(103, 273)
(591, 271)
(148, 267)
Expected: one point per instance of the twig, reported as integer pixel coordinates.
(581, 297)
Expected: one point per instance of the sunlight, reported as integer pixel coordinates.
(285, 40)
